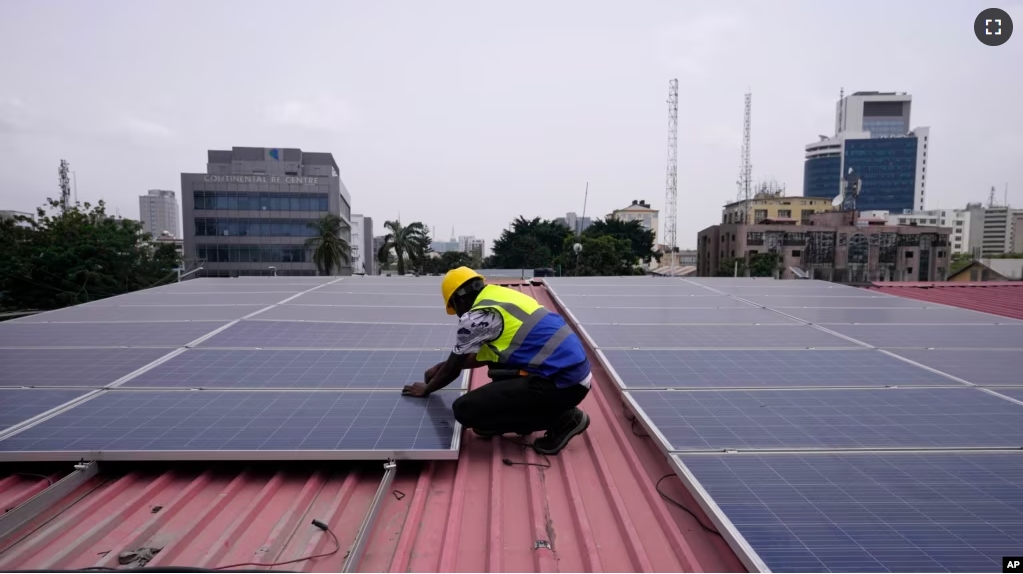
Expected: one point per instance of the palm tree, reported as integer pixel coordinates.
(410, 244)
(330, 250)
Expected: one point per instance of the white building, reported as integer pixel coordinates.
(362, 244)
(158, 212)
(639, 210)
(993, 229)
(957, 219)
(574, 222)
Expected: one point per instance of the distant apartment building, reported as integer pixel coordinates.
(832, 248)
(1017, 231)
(158, 212)
(363, 259)
(444, 246)
(993, 229)
(873, 138)
(476, 248)
(574, 222)
(639, 210)
(9, 214)
(251, 210)
(790, 209)
(956, 219)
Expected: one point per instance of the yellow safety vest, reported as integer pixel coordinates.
(519, 311)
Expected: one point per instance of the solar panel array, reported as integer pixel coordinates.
(852, 431)
(262, 368)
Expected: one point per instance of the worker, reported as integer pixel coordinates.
(510, 331)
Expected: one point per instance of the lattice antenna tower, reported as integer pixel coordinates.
(65, 185)
(671, 179)
(745, 167)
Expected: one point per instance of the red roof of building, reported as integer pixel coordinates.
(997, 297)
(596, 507)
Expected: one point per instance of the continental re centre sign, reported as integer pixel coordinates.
(261, 179)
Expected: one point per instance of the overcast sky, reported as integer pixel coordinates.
(467, 114)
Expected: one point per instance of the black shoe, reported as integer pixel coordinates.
(567, 426)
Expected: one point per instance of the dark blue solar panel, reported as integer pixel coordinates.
(18, 405)
(980, 367)
(927, 336)
(766, 369)
(895, 316)
(1012, 393)
(734, 316)
(833, 302)
(257, 369)
(892, 512)
(703, 300)
(139, 313)
(123, 420)
(71, 367)
(311, 335)
(434, 314)
(714, 336)
(167, 334)
(862, 418)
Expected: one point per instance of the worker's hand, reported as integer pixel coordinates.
(432, 372)
(415, 390)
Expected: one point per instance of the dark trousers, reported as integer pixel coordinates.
(520, 405)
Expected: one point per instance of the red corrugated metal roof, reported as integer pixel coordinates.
(1000, 298)
(596, 506)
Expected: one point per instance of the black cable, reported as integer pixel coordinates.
(524, 445)
(33, 475)
(680, 505)
(632, 422)
(322, 526)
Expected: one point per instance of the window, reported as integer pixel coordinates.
(797, 253)
(251, 253)
(759, 215)
(909, 255)
(941, 254)
(253, 201)
(785, 213)
(243, 227)
(805, 214)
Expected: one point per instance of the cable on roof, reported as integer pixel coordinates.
(682, 506)
(318, 524)
(524, 445)
(632, 422)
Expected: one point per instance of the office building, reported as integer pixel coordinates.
(993, 229)
(251, 210)
(158, 212)
(874, 139)
(476, 247)
(574, 222)
(9, 214)
(444, 246)
(363, 260)
(830, 248)
(639, 210)
(795, 209)
(956, 219)
(1017, 231)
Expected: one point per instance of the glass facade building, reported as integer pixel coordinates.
(821, 176)
(253, 207)
(887, 169)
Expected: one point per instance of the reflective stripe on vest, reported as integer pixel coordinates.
(518, 322)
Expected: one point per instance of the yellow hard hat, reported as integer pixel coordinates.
(452, 281)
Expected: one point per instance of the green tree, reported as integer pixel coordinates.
(452, 260)
(410, 244)
(528, 244)
(330, 250)
(641, 240)
(728, 267)
(763, 264)
(67, 257)
(604, 255)
(959, 262)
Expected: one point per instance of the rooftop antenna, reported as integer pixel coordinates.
(841, 96)
(579, 220)
(65, 185)
(745, 167)
(991, 197)
(671, 179)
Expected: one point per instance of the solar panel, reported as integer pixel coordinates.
(71, 367)
(1012, 393)
(713, 336)
(710, 300)
(322, 297)
(894, 512)
(657, 290)
(791, 292)
(309, 335)
(421, 315)
(926, 336)
(896, 316)
(669, 316)
(205, 286)
(833, 419)
(257, 425)
(396, 287)
(17, 335)
(980, 367)
(201, 298)
(135, 313)
(834, 302)
(264, 369)
(19, 405)
(709, 369)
